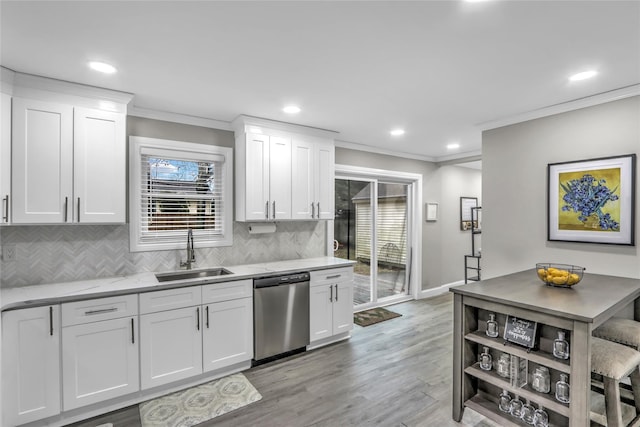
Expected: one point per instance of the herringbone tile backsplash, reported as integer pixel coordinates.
(61, 253)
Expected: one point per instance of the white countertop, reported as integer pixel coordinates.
(53, 293)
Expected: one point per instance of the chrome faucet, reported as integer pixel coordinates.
(191, 255)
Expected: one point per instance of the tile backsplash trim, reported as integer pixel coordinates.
(62, 253)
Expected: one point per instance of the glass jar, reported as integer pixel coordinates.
(486, 361)
(492, 326)
(561, 346)
(563, 389)
(541, 380)
(527, 412)
(504, 365)
(504, 402)
(540, 418)
(515, 407)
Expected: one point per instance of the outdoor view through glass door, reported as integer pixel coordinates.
(371, 227)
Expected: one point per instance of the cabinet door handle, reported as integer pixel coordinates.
(133, 333)
(318, 211)
(331, 293)
(66, 209)
(266, 210)
(5, 202)
(101, 311)
(207, 311)
(336, 292)
(274, 209)
(313, 210)
(198, 318)
(335, 276)
(78, 219)
(51, 321)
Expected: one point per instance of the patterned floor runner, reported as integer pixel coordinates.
(374, 315)
(195, 405)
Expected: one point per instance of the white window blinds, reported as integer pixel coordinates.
(178, 190)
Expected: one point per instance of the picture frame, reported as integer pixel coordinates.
(431, 211)
(466, 203)
(592, 201)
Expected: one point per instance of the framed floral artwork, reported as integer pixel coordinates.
(592, 201)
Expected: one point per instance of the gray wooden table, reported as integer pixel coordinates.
(578, 310)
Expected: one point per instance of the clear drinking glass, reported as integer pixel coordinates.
(563, 389)
(541, 381)
(505, 402)
(561, 346)
(504, 365)
(486, 361)
(492, 326)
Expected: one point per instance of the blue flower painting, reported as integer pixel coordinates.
(589, 200)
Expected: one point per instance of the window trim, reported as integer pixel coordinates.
(138, 146)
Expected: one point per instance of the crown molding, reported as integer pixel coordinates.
(251, 124)
(384, 151)
(167, 116)
(576, 104)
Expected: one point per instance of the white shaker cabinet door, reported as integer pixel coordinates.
(342, 307)
(42, 162)
(227, 336)
(280, 177)
(5, 157)
(303, 180)
(324, 184)
(30, 364)
(99, 166)
(170, 346)
(320, 312)
(257, 177)
(100, 361)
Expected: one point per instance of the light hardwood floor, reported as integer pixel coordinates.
(394, 373)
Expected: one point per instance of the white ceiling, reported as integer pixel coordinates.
(438, 69)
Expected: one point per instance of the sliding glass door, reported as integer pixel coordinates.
(371, 227)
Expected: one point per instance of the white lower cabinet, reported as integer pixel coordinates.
(227, 337)
(99, 350)
(30, 364)
(170, 346)
(331, 303)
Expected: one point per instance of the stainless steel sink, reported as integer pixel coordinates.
(194, 274)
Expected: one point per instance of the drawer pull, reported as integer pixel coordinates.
(335, 276)
(102, 311)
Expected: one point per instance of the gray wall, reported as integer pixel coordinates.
(56, 253)
(443, 243)
(514, 190)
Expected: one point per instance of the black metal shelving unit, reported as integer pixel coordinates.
(472, 262)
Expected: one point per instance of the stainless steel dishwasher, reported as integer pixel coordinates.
(280, 315)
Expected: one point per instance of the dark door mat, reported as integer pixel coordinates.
(374, 315)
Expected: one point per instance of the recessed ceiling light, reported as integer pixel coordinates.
(453, 146)
(291, 109)
(397, 132)
(103, 67)
(583, 75)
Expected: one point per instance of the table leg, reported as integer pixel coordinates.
(580, 379)
(458, 337)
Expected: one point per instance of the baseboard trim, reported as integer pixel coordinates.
(439, 290)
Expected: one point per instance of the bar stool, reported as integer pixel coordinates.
(622, 331)
(614, 362)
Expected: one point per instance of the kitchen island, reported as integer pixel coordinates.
(576, 311)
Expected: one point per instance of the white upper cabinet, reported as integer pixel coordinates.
(263, 171)
(312, 179)
(99, 183)
(5, 158)
(68, 153)
(42, 162)
(283, 171)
